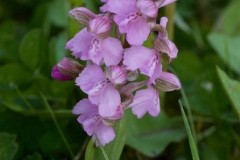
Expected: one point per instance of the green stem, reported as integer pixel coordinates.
(45, 113)
(23, 98)
(104, 153)
(170, 11)
(57, 125)
(187, 105)
(189, 112)
(79, 154)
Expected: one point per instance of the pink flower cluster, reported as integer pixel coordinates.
(112, 45)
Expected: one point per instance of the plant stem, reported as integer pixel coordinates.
(57, 125)
(170, 11)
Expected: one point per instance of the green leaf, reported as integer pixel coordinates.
(227, 48)
(30, 49)
(92, 5)
(228, 23)
(13, 72)
(13, 106)
(8, 146)
(193, 146)
(232, 88)
(212, 150)
(35, 156)
(151, 135)
(113, 150)
(58, 12)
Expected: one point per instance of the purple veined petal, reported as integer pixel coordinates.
(163, 3)
(82, 15)
(150, 67)
(117, 74)
(109, 102)
(168, 82)
(148, 8)
(79, 45)
(123, 7)
(92, 80)
(112, 51)
(139, 57)
(69, 66)
(95, 53)
(173, 49)
(146, 101)
(138, 31)
(100, 26)
(164, 45)
(132, 87)
(104, 1)
(103, 134)
(84, 106)
(156, 73)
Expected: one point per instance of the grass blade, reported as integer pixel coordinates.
(56, 124)
(192, 143)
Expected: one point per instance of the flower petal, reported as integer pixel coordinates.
(119, 7)
(146, 101)
(138, 31)
(167, 82)
(88, 123)
(103, 134)
(95, 53)
(139, 57)
(84, 106)
(109, 102)
(92, 80)
(112, 51)
(82, 15)
(80, 44)
(148, 8)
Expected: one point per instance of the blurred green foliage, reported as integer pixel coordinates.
(32, 39)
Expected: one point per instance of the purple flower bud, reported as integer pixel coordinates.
(101, 26)
(66, 69)
(82, 15)
(167, 82)
(117, 75)
(56, 74)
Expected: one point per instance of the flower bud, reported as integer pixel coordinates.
(82, 15)
(66, 69)
(167, 82)
(117, 75)
(101, 26)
